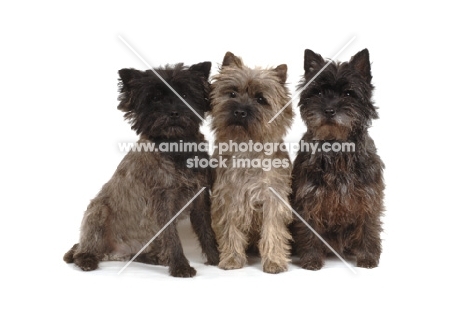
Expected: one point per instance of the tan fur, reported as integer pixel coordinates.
(245, 212)
(330, 132)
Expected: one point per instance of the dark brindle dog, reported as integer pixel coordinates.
(149, 188)
(340, 194)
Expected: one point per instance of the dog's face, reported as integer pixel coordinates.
(337, 104)
(244, 100)
(156, 111)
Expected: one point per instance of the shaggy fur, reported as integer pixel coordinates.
(149, 188)
(245, 213)
(340, 194)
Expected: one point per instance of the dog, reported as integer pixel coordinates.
(339, 194)
(246, 214)
(149, 188)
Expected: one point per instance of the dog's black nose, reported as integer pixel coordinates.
(330, 112)
(174, 114)
(240, 113)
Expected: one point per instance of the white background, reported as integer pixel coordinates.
(60, 129)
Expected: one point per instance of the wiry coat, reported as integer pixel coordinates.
(245, 212)
(149, 187)
(339, 194)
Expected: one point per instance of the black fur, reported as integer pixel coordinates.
(150, 105)
(339, 194)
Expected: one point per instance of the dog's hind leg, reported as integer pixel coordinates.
(68, 257)
(93, 242)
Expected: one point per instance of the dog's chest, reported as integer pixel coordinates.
(171, 171)
(335, 192)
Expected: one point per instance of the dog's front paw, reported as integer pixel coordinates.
(232, 262)
(315, 263)
(213, 261)
(367, 262)
(272, 267)
(86, 261)
(212, 258)
(184, 271)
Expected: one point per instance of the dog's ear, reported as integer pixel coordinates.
(128, 75)
(282, 72)
(232, 60)
(312, 61)
(126, 81)
(361, 63)
(203, 67)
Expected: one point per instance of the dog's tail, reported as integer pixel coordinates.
(68, 257)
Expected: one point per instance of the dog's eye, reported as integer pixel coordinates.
(157, 95)
(232, 94)
(315, 92)
(348, 93)
(261, 100)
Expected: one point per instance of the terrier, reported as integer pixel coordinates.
(339, 194)
(149, 187)
(245, 212)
